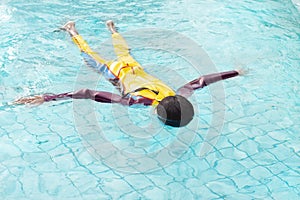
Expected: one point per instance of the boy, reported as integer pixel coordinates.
(134, 84)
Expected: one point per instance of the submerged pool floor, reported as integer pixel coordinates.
(248, 148)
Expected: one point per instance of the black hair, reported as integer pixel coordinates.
(175, 111)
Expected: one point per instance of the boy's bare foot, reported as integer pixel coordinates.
(70, 28)
(111, 26)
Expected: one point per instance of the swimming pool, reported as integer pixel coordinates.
(54, 151)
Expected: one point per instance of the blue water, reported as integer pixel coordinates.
(84, 150)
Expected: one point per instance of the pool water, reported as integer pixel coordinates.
(85, 150)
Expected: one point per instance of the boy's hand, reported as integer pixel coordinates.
(33, 100)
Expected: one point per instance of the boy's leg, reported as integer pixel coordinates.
(79, 41)
(120, 45)
(90, 57)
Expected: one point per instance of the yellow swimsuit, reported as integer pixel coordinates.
(126, 71)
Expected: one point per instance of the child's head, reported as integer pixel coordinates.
(175, 111)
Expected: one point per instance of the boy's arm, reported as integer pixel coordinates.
(99, 96)
(188, 89)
